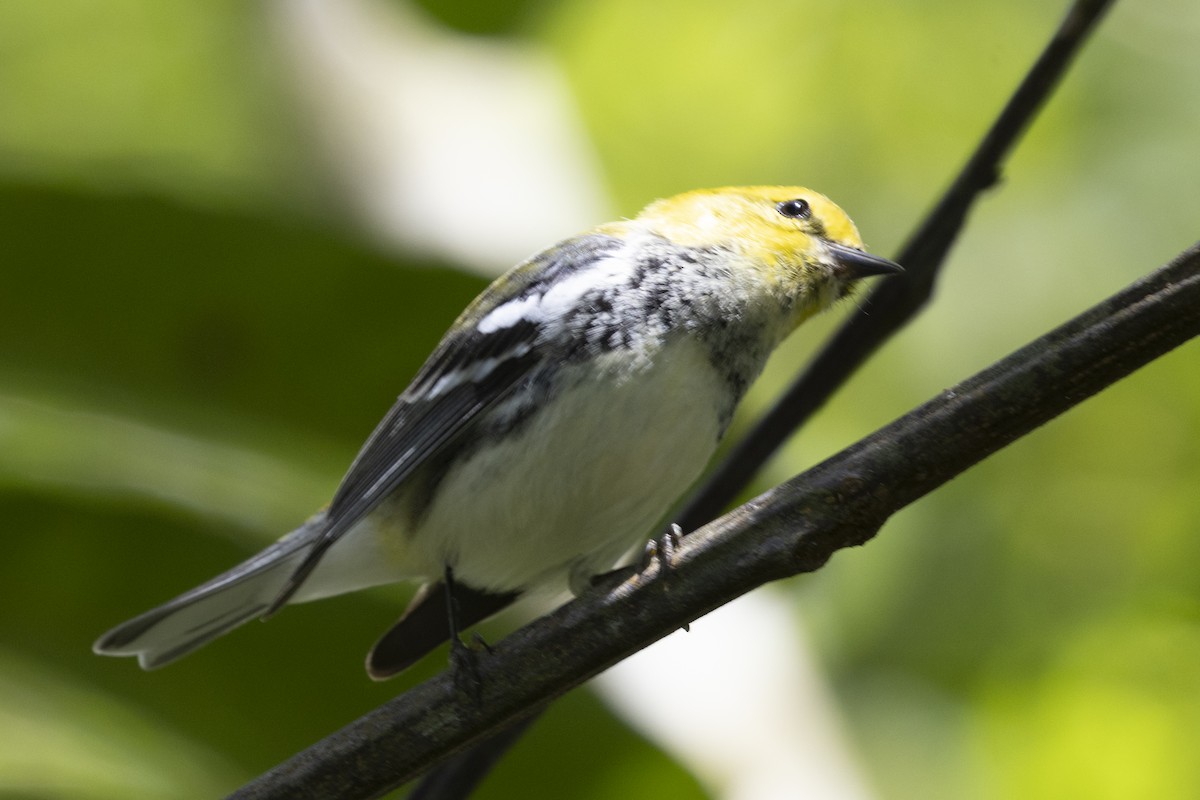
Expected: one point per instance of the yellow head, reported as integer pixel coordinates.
(752, 214)
(792, 237)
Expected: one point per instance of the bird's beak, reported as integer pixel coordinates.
(854, 263)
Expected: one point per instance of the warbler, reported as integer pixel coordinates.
(559, 418)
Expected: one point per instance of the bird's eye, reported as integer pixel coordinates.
(795, 209)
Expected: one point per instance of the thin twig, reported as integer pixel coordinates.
(791, 529)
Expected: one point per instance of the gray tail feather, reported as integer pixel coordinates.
(195, 618)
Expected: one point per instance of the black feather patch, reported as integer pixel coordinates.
(425, 625)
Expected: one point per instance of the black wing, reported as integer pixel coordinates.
(442, 401)
(469, 373)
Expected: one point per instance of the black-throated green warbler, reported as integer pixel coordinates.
(564, 412)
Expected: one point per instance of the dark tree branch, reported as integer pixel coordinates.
(891, 306)
(472, 765)
(793, 528)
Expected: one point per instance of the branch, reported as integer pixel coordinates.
(791, 529)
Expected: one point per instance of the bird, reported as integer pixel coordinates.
(553, 427)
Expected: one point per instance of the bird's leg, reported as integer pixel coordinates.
(463, 658)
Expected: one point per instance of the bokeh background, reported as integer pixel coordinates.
(230, 231)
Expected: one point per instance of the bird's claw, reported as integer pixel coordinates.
(661, 549)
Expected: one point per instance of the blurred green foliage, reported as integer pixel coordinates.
(182, 99)
(192, 344)
(475, 17)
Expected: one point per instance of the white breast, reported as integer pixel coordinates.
(576, 491)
